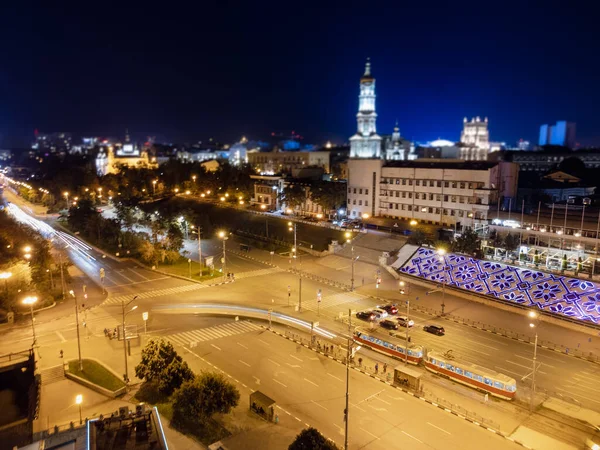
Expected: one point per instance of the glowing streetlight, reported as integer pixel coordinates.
(27, 249)
(154, 187)
(413, 222)
(365, 216)
(222, 199)
(5, 276)
(176, 190)
(66, 194)
(241, 202)
(319, 216)
(31, 301)
(207, 192)
(263, 206)
(226, 195)
(202, 195)
(288, 211)
(223, 235)
(79, 401)
(188, 192)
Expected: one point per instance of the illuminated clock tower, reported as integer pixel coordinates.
(366, 143)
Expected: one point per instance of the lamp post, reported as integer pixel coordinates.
(123, 306)
(533, 315)
(348, 235)
(66, 194)
(154, 188)
(348, 345)
(79, 401)
(292, 227)
(77, 326)
(30, 301)
(441, 252)
(223, 236)
(5, 276)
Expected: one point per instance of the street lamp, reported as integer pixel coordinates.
(441, 252)
(223, 236)
(292, 227)
(123, 306)
(66, 194)
(365, 216)
(413, 222)
(533, 316)
(79, 401)
(154, 188)
(72, 293)
(348, 235)
(30, 301)
(5, 276)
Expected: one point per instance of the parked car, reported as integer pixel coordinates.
(434, 329)
(389, 324)
(365, 315)
(380, 313)
(405, 321)
(390, 309)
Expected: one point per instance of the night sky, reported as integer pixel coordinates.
(226, 69)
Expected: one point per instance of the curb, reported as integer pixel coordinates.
(474, 422)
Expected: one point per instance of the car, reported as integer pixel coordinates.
(389, 324)
(380, 313)
(405, 321)
(390, 309)
(365, 315)
(434, 329)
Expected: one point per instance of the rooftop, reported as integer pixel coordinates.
(456, 164)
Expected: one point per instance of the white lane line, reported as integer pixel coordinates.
(368, 432)
(59, 334)
(585, 397)
(441, 429)
(279, 382)
(411, 436)
(525, 367)
(244, 362)
(276, 363)
(265, 342)
(520, 375)
(213, 345)
(320, 406)
(296, 358)
(357, 407)
(293, 366)
(382, 400)
(337, 378)
(311, 382)
(529, 359)
(242, 345)
(395, 398)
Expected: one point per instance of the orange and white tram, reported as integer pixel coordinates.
(497, 384)
(415, 352)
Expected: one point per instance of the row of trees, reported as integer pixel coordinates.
(328, 195)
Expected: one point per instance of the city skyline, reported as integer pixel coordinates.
(104, 73)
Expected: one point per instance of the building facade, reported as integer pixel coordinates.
(366, 143)
(562, 133)
(544, 161)
(453, 193)
(475, 140)
(277, 161)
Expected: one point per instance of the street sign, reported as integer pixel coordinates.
(145, 315)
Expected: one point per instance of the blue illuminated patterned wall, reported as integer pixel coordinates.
(572, 297)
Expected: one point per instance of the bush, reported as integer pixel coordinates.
(161, 363)
(311, 439)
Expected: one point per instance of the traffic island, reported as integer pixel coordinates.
(95, 376)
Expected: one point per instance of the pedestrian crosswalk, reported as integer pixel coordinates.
(257, 273)
(333, 300)
(155, 293)
(191, 338)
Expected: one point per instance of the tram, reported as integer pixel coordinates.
(415, 352)
(494, 383)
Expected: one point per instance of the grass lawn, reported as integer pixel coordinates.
(96, 373)
(182, 268)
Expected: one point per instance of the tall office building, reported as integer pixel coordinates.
(561, 133)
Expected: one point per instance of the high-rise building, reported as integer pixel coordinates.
(366, 143)
(561, 133)
(475, 139)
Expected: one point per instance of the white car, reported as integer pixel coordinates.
(380, 313)
(403, 321)
(511, 223)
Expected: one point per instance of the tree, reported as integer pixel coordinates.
(417, 237)
(294, 195)
(311, 439)
(161, 363)
(329, 195)
(468, 242)
(511, 242)
(203, 396)
(125, 215)
(174, 238)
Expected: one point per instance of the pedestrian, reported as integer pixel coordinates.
(376, 367)
(384, 367)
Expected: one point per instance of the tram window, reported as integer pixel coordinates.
(458, 370)
(441, 364)
(468, 374)
(478, 378)
(498, 385)
(432, 360)
(392, 346)
(450, 367)
(511, 387)
(488, 381)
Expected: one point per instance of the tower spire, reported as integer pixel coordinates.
(368, 68)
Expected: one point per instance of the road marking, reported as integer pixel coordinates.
(526, 367)
(256, 380)
(213, 345)
(276, 363)
(244, 363)
(435, 426)
(382, 400)
(264, 342)
(395, 398)
(368, 432)
(357, 407)
(333, 376)
(279, 382)
(320, 406)
(311, 382)
(59, 334)
(520, 375)
(377, 409)
(529, 359)
(411, 436)
(296, 358)
(585, 397)
(242, 345)
(293, 366)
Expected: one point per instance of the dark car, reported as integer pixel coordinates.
(434, 329)
(391, 309)
(365, 315)
(389, 324)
